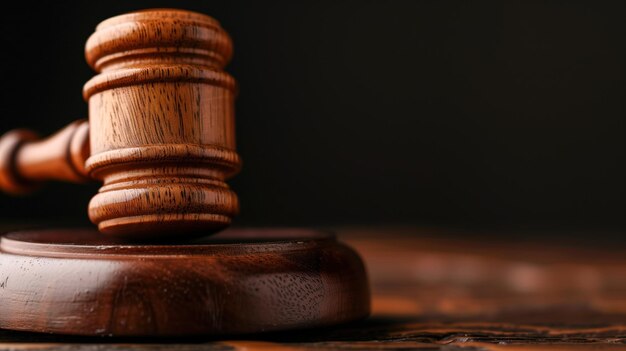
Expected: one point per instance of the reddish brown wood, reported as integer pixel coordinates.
(26, 161)
(238, 281)
(437, 290)
(162, 119)
(161, 129)
(161, 137)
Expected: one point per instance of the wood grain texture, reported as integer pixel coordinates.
(436, 290)
(80, 283)
(25, 161)
(161, 129)
(162, 119)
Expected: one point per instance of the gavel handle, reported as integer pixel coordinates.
(26, 161)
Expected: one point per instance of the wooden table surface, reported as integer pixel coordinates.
(437, 291)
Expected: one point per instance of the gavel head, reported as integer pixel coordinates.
(161, 125)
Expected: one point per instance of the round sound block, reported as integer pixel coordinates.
(238, 281)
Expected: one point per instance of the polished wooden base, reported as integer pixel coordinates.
(239, 281)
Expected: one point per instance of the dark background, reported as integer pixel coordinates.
(461, 114)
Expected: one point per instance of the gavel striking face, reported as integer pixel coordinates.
(160, 135)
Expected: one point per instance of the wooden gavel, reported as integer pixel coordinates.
(161, 129)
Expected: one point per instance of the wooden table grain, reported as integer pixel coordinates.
(439, 290)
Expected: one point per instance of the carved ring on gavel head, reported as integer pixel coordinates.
(161, 132)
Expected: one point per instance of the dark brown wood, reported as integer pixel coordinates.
(82, 283)
(437, 290)
(161, 129)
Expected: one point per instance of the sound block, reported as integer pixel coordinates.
(80, 282)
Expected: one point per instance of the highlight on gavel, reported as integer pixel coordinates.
(160, 134)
